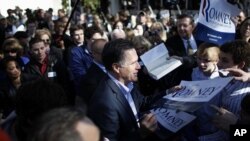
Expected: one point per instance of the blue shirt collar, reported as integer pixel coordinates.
(100, 66)
(125, 89)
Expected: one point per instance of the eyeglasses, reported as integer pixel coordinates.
(46, 40)
(11, 51)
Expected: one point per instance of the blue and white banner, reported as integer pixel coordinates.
(214, 22)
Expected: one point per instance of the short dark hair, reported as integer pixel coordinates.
(240, 51)
(38, 97)
(142, 13)
(90, 31)
(73, 28)
(59, 125)
(182, 16)
(34, 99)
(34, 41)
(113, 52)
(21, 34)
(8, 59)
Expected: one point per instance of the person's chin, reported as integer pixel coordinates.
(15, 76)
(207, 71)
(40, 58)
(202, 69)
(135, 79)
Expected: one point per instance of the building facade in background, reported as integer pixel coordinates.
(31, 4)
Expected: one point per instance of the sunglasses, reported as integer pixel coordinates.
(46, 40)
(11, 51)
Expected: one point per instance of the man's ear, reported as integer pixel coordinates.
(116, 67)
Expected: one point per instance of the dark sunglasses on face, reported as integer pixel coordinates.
(46, 40)
(11, 51)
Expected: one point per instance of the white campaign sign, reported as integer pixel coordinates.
(214, 22)
(171, 119)
(199, 91)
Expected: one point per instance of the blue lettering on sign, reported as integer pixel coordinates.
(206, 91)
(199, 92)
(169, 117)
(175, 121)
(219, 16)
(183, 91)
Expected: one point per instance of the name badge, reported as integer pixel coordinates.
(52, 74)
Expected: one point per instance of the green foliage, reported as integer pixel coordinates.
(65, 4)
(93, 4)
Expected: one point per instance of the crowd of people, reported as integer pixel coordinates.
(86, 82)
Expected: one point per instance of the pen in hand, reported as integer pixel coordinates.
(148, 121)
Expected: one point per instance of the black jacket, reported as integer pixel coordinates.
(8, 93)
(89, 83)
(56, 71)
(112, 113)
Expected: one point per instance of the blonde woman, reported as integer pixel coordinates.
(45, 36)
(12, 48)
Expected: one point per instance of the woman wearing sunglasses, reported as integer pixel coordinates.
(11, 47)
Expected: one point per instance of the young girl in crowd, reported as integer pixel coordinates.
(207, 59)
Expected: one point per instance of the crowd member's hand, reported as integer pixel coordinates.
(239, 74)
(235, 20)
(148, 124)
(223, 118)
(173, 89)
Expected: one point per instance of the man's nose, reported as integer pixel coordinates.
(138, 66)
